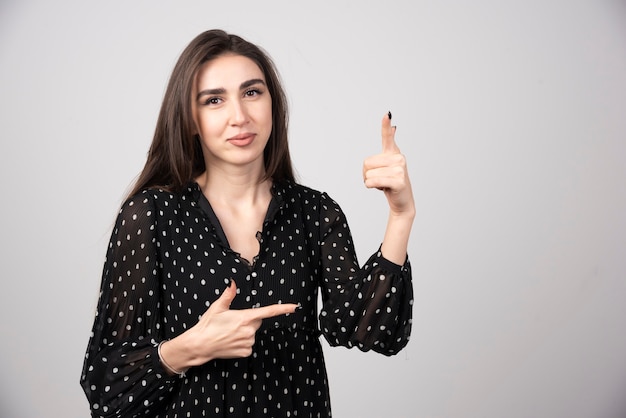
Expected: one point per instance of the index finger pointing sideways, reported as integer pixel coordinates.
(272, 310)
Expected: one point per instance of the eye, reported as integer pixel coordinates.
(213, 101)
(253, 92)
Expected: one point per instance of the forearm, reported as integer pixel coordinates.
(396, 239)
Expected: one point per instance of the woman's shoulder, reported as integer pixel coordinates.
(160, 197)
(305, 195)
(294, 189)
(145, 197)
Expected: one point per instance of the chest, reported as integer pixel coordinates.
(195, 266)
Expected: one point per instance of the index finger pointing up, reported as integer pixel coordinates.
(388, 133)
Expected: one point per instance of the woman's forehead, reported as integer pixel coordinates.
(228, 70)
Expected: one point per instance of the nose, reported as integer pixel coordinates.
(239, 113)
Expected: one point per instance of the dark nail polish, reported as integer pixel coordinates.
(389, 114)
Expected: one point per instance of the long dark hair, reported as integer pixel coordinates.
(175, 155)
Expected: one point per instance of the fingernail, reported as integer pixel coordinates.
(389, 114)
(298, 307)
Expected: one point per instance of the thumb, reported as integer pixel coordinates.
(226, 298)
(388, 133)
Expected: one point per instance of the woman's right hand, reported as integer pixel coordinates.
(221, 332)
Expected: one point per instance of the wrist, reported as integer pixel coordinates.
(404, 216)
(168, 360)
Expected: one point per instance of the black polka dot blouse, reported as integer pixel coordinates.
(168, 260)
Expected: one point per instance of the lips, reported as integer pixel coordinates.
(243, 139)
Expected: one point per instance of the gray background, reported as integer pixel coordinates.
(511, 115)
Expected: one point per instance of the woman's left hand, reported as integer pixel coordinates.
(387, 171)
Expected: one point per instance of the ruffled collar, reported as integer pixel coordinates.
(279, 192)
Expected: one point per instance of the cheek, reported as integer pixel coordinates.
(268, 115)
(209, 125)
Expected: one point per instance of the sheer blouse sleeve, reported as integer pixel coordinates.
(122, 375)
(368, 307)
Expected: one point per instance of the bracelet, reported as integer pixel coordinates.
(167, 366)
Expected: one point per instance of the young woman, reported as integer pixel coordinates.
(208, 303)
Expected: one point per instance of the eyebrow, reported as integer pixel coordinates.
(222, 90)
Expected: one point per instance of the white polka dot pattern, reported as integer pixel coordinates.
(168, 260)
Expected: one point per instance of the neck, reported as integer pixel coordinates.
(234, 187)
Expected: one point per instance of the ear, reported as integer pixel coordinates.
(193, 124)
(194, 129)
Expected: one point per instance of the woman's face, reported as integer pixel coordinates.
(232, 111)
